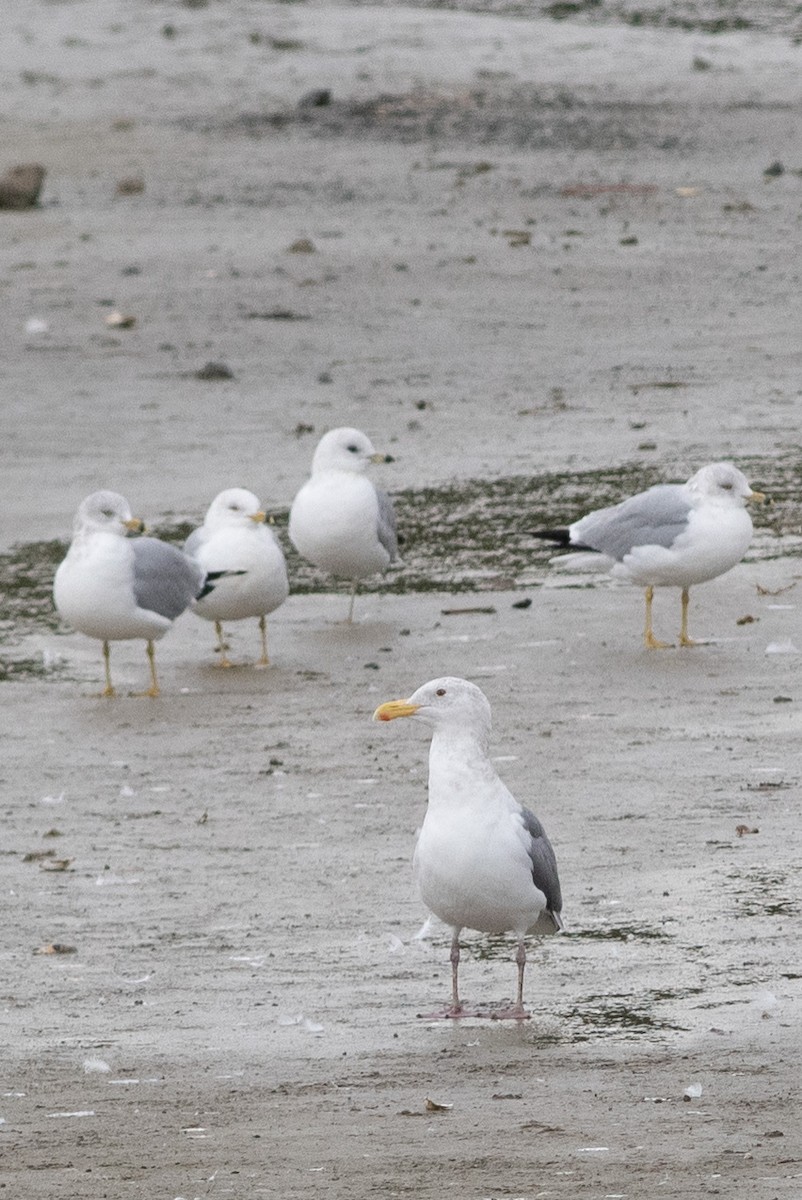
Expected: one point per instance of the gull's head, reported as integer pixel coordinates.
(723, 481)
(447, 703)
(346, 450)
(106, 511)
(234, 506)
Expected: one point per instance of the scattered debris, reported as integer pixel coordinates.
(461, 612)
(587, 191)
(302, 246)
(742, 830)
(277, 314)
(21, 185)
(316, 98)
(436, 1106)
(764, 591)
(130, 185)
(118, 320)
(692, 1092)
(748, 619)
(56, 948)
(785, 647)
(214, 371)
(55, 864)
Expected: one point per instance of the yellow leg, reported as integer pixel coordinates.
(153, 690)
(684, 640)
(264, 661)
(350, 618)
(649, 640)
(109, 688)
(221, 646)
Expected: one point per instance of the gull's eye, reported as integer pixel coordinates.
(352, 449)
(107, 512)
(440, 692)
(727, 487)
(234, 507)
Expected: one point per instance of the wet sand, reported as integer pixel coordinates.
(239, 1012)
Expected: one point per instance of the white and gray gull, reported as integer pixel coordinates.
(672, 535)
(339, 521)
(116, 588)
(235, 542)
(482, 861)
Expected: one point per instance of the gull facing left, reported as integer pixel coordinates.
(482, 860)
(114, 588)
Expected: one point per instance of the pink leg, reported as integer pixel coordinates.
(456, 1010)
(517, 1012)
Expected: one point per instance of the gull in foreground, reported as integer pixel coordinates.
(673, 535)
(235, 541)
(482, 861)
(115, 588)
(339, 521)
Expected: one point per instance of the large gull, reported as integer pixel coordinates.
(339, 521)
(482, 861)
(115, 588)
(673, 535)
(235, 540)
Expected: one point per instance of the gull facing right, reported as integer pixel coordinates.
(235, 542)
(672, 535)
(482, 860)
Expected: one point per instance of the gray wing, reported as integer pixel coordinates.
(387, 525)
(653, 518)
(544, 865)
(165, 580)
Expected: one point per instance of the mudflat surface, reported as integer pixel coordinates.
(503, 285)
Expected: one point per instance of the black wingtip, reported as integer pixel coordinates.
(560, 537)
(212, 578)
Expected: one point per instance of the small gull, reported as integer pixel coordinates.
(339, 521)
(482, 861)
(673, 535)
(235, 540)
(115, 588)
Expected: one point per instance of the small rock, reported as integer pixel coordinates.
(302, 246)
(118, 320)
(317, 98)
(20, 186)
(214, 371)
(774, 170)
(130, 185)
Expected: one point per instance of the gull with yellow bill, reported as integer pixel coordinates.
(482, 861)
(339, 521)
(116, 588)
(672, 535)
(235, 543)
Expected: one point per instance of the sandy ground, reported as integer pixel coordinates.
(239, 1015)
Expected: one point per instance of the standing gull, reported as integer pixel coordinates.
(482, 861)
(235, 540)
(114, 588)
(339, 521)
(673, 535)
